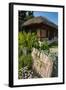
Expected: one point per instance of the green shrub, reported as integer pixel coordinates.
(28, 40)
(54, 44)
(25, 60)
(45, 47)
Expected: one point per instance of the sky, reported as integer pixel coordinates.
(52, 16)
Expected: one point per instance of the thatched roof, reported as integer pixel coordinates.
(39, 20)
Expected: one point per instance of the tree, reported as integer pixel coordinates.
(24, 16)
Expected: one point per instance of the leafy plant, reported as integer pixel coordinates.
(25, 60)
(28, 40)
(44, 46)
(54, 44)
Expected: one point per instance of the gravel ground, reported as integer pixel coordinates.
(53, 50)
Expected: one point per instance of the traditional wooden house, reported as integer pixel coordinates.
(42, 27)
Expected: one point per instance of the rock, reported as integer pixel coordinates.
(43, 64)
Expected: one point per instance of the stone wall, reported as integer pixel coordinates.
(42, 63)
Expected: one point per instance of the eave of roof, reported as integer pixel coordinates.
(39, 20)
